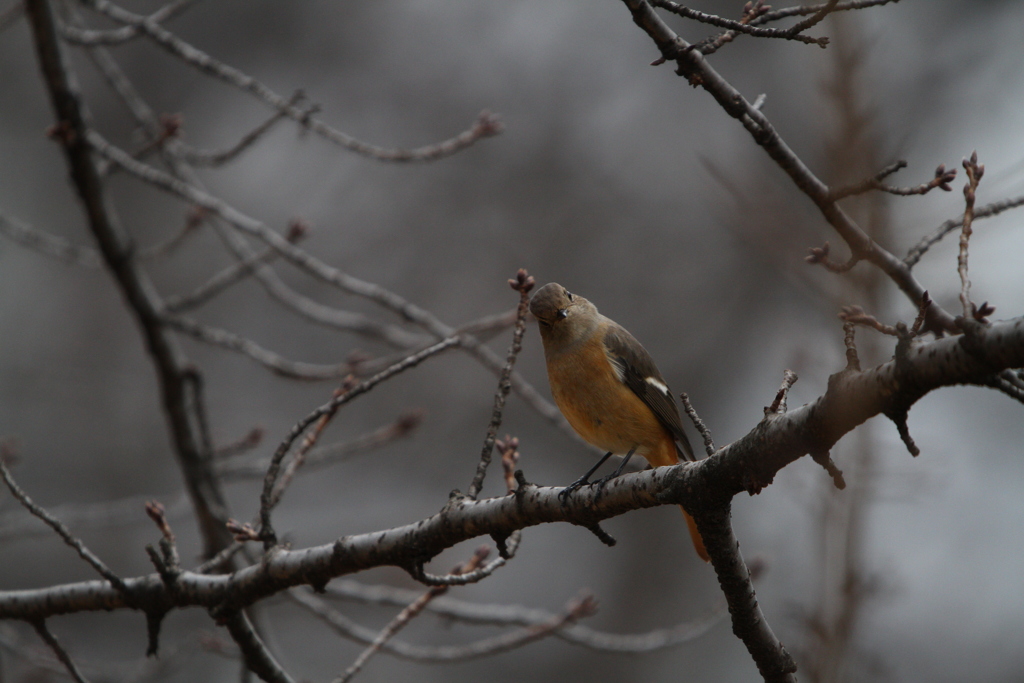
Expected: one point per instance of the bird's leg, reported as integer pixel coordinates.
(600, 483)
(582, 481)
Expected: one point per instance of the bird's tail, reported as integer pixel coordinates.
(698, 542)
(685, 453)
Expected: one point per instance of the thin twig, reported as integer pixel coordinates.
(257, 657)
(805, 10)
(778, 406)
(50, 245)
(974, 173)
(511, 615)
(55, 524)
(328, 274)
(411, 611)
(267, 532)
(326, 455)
(93, 37)
(941, 180)
(308, 441)
(850, 342)
(230, 275)
(216, 158)
(193, 221)
(737, 26)
(993, 209)
(523, 283)
(705, 433)
(537, 624)
(858, 316)
(475, 575)
(239, 447)
(486, 125)
(268, 359)
(820, 256)
(58, 650)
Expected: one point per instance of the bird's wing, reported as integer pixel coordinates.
(636, 369)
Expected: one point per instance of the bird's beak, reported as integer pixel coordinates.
(562, 314)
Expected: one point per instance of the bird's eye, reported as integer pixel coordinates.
(569, 294)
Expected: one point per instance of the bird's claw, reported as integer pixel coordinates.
(568, 490)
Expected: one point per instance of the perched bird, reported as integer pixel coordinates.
(608, 388)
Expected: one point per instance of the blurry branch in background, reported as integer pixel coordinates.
(50, 245)
(486, 125)
(407, 423)
(517, 615)
(410, 612)
(830, 615)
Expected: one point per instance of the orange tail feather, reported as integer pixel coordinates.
(698, 542)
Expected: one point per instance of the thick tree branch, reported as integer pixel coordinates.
(748, 464)
(117, 250)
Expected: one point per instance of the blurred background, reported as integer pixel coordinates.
(613, 178)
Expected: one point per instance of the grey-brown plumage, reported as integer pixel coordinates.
(636, 369)
(608, 388)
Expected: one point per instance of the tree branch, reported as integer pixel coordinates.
(748, 464)
(117, 249)
(691, 64)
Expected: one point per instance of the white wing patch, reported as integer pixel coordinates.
(660, 386)
(617, 364)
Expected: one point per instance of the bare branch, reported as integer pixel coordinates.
(140, 295)
(270, 539)
(522, 284)
(993, 209)
(214, 159)
(328, 274)
(737, 26)
(411, 611)
(257, 657)
(974, 173)
(941, 180)
(326, 455)
(806, 10)
(820, 256)
(107, 513)
(58, 650)
(539, 625)
(55, 524)
(92, 37)
(486, 125)
(705, 433)
(50, 245)
(748, 623)
(518, 615)
(778, 406)
(693, 65)
(268, 359)
(857, 316)
(474, 575)
(747, 465)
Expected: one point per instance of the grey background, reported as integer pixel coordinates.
(602, 182)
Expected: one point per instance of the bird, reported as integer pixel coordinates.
(608, 388)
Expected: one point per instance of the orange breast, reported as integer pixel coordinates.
(603, 410)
